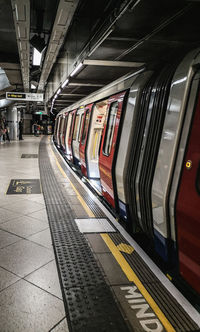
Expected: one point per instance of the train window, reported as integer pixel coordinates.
(70, 123)
(76, 127)
(86, 123)
(62, 125)
(80, 128)
(110, 128)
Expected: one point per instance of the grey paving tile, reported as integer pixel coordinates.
(79, 211)
(61, 327)
(41, 215)
(97, 243)
(112, 269)
(24, 207)
(7, 238)
(73, 200)
(47, 278)
(7, 199)
(26, 308)
(24, 257)
(6, 215)
(6, 278)
(36, 198)
(24, 226)
(43, 238)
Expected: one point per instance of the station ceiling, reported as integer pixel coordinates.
(103, 40)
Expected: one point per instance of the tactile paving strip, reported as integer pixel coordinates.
(166, 302)
(88, 299)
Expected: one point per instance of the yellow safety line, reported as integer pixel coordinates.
(132, 277)
(86, 208)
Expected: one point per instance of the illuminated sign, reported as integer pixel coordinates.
(25, 96)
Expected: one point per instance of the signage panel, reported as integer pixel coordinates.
(25, 96)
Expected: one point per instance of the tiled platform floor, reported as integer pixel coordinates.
(30, 295)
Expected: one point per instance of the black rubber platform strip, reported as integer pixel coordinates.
(166, 302)
(89, 302)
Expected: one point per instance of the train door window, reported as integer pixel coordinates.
(112, 116)
(80, 128)
(62, 125)
(69, 127)
(76, 127)
(86, 123)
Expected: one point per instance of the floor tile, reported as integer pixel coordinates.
(24, 226)
(113, 271)
(7, 238)
(97, 243)
(24, 257)
(7, 199)
(29, 309)
(61, 327)
(41, 215)
(24, 207)
(6, 215)
(47, 278)
(43, 238)
(6, 279)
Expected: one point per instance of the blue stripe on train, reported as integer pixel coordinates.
(123, 210)
(166, 248)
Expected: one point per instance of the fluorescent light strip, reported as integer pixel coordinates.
(37, 56)
(65, 83)
(80, 65)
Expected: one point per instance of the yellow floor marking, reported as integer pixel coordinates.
(81, 200)
(168, 276)
(125, 248)
(132, 277)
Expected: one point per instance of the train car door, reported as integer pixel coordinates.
(77, 135)
(108, 146)
(83, 141)
(70, 135)
(64, 131)
(188, 206)
(61, 130)
(58, 129)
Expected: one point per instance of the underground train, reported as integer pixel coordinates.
(137, 141)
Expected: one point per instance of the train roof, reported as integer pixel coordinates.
(118, 85)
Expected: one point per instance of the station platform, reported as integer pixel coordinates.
(66, 264)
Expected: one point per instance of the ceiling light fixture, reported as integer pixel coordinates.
(65, 83)
(76, 69)
(37, 57)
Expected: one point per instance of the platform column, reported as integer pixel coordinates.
(12, 118)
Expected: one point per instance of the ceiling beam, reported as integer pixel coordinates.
(64, 101)
(10, 66)
(113, 63)
(21, 15)
(85, 83)
(73, 94)
(62, 22)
